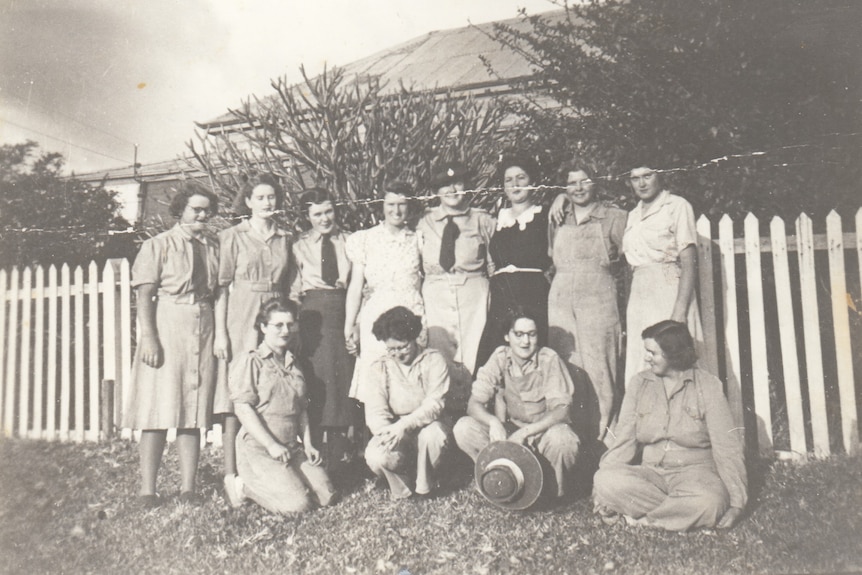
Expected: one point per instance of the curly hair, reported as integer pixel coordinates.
(675, 342)
(520, 159)
(398, 187)
(398, 323)
(189, 189)
(275, 305)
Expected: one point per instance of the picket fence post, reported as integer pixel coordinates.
(24, 368)
(787, 338)
(3, 380)
(11, 356)
(841, 327)
(757, 331)
(731, 321)
(39, 354)
(707, 293)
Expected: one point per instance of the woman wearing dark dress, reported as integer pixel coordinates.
(519, 249)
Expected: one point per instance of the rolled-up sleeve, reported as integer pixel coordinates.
(489, 378)
(684, 225)
(559, 389)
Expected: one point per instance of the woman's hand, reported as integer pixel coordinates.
(496, 430)
(730, 518)
(558, 209)
(221, 346)
(313, 455)
(151, 351)
(391, 435)
(351, 340)
(278, 452)
(520, 436)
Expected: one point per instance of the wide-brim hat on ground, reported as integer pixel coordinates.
(449, 173)
(509, 475)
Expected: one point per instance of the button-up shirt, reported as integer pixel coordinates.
(679, 427)
(414, 395)
(248, 256)
(611, 219)
(656, 234)
(471, 247)
(532, 390)
(167, 260)
(306, 254)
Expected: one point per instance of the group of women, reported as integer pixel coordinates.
(219, 310)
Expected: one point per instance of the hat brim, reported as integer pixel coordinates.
(525, 459)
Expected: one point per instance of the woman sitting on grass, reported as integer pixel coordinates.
(268, 391)
(676, 421)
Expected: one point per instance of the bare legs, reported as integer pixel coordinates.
(153, 446)
(230, 429)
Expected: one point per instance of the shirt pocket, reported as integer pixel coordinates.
(471, 249)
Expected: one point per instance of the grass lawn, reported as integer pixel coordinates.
(67, 508)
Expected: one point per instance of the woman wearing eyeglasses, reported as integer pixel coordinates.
(660, 244)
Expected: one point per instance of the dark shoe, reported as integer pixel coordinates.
(149, 501)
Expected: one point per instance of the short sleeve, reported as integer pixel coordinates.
(147, 268)
(489, 377)
(243, 379)
(354, 247)
(684, 225)
(559, 389)
(227, 257)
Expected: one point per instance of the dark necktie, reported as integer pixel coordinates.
(447, 244)
(328, 261)
(199, 268)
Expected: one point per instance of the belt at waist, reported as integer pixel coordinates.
(510, 269)
(331, 292)
(257, 286)
(190, 298)
(668, 454)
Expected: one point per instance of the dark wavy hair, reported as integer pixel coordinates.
(272, 306)
(518, 312)
(262, 179)
(523, 161)
(189, 189)
(314, 196)
(398, 323)
(657, 173)
(399, 187)
(675, 342)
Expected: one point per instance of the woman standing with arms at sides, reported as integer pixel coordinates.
(583, 315)
(519, 250)
(323, 273)
(268, 389)
(386, 263)
(253, 268)
(660, 245)
(454, 238)
(174, 369)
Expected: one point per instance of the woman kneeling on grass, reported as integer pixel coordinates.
(268, 391)
(677, 422)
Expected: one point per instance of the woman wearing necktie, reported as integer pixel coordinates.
(454, 239)
(320, 284)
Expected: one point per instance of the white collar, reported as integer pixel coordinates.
(505, 219)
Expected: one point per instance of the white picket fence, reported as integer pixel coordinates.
(66, 343)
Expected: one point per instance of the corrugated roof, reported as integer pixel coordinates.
(440, 60)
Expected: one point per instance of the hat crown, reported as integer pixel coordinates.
(502, 480)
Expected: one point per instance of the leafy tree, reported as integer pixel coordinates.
(723, 92)
(46, 218)
(351, 137)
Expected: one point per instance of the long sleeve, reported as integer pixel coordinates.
(435, 375)
(625, 446)
(378, 414)
(726, 439)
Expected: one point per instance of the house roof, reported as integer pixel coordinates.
(442, 60)
(166, 170)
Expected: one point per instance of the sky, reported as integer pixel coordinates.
(92, 78)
